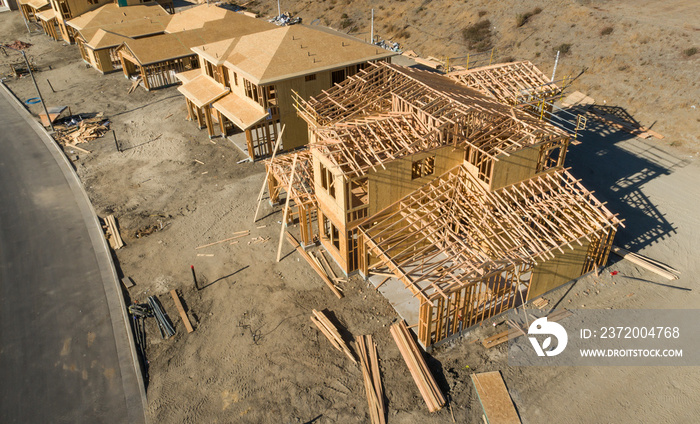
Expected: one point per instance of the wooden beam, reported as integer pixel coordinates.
(313, 264)
(267, 173)
(286, 206)
(181, 310)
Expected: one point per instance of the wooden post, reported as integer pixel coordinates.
(194, 277)
(267, 174)
(286, 206)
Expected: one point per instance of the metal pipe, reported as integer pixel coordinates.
(29, 68)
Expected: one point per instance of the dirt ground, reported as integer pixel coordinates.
(255, 355)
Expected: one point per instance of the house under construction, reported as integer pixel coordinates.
(458, 200)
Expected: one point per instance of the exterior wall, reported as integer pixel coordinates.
(74, 8)
(296, 131)
(563, 268)
(386, 186)
(519, 166)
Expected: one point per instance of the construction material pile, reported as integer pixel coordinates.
(76, 130)
(285, 19)
(417, 366)
(18, 45)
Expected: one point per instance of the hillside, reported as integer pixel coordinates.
(634, 54)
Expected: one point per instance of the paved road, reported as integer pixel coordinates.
(65, 353)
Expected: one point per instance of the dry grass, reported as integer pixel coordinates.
(521, 19)
(478, 36)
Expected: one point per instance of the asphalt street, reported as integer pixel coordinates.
(65, 353)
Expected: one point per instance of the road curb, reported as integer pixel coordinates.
(117, 307)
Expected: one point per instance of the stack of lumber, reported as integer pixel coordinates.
(513, 333)
(86, 130)
(416, 365)
(331, 332)
(315, 265)
(647, 263)
(115, 240)
(494, 398)
(540, 303)
(369, 362)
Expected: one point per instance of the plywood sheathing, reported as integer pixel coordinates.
(512, 83)
(242, 111)
(202, 90)
(291, 51)
(112, 14)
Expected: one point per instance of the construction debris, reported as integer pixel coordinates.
(75, 130)
(513, 333)
(389, 45)
(127, 282)
(540, 303)
(647, 263)
(240, 234)
(369, 363)
(164, 324)
(331, 332)
(314, 265)
(18, 45)
(494, 398)
(285, 19)
(115, 240)
(181, 311)
(416, 365)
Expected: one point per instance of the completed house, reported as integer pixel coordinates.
(248, 82)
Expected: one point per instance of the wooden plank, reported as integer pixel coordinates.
(313, 264)
(331, 332)
(115, 239)
(417, 366)
(286, 206)
(512, 333)
(241, 234)
(127, 282)
(181, 310)
(646, 263)
(494, 398)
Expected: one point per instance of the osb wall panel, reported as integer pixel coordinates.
(517, 167)
(563, 268)
(295, 133)
(386, 186)
(333, 208)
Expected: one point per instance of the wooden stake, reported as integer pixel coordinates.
(286, 206)
(267, 174)
(181, 310)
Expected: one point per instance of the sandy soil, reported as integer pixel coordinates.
(255, 356)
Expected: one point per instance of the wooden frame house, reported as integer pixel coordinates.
(157, 59)
(257, 75)
(69, 9)
(518, 84)
(461, 200)
(100, 32)
(30, 8)
(49, 24)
